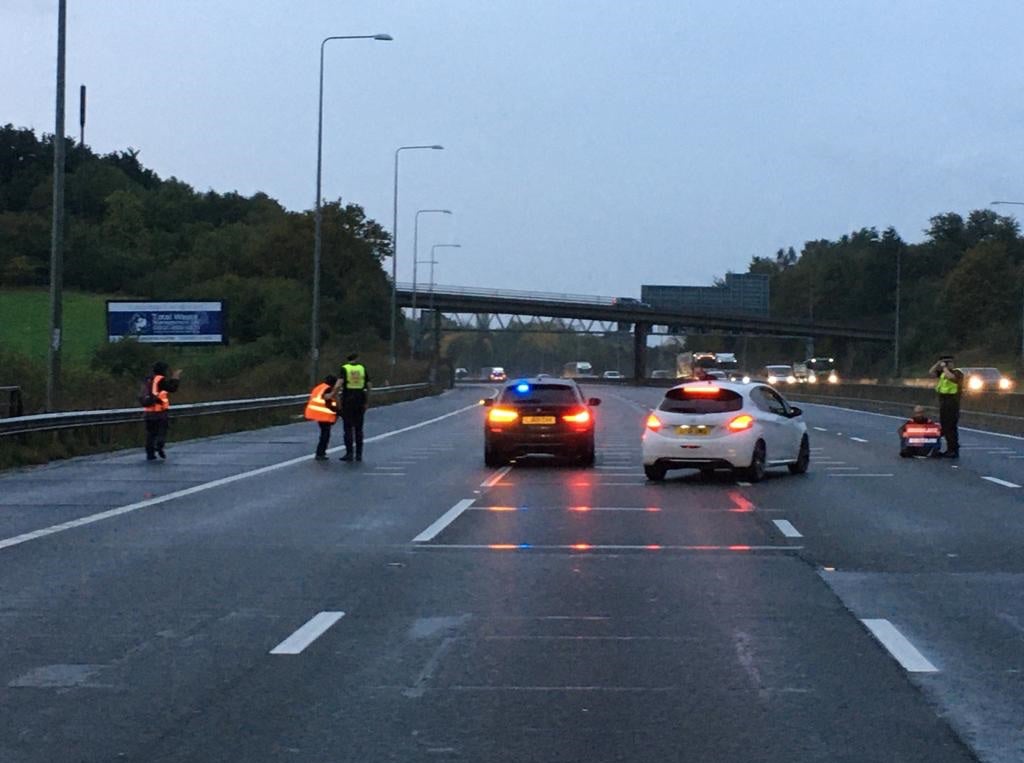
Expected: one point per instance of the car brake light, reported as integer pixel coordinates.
(501, 415)
(580, 417)
(741, 423)
(653, 423)
(708, 390)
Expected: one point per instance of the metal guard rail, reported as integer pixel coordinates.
(50, 422)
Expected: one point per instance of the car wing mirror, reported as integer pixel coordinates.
(794, 412)
(594, 401)
(487, 402)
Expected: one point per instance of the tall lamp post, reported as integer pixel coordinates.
(415, 258)
(392, 358)
(314, 338)
(433, 261)
(437, 322)
(1019, 204)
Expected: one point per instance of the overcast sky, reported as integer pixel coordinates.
(590, 146)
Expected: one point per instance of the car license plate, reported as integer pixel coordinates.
(689, 430)
(538, 419)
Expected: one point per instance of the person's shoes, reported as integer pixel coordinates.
(319, 457)
(150, 457)
(161, 453)
(953, 454)
(359, 457)
(346, 457)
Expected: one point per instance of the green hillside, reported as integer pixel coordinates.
(25, 320)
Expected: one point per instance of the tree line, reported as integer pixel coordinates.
(961, 288)
(130, 232)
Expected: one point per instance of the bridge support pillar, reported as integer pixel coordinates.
(640, 331)
(809, 347)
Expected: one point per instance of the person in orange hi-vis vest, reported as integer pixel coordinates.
(155, 400)
(322, 409)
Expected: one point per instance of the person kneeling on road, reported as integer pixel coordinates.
(323, 409)
(920, 436)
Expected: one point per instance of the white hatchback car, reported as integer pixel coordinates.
(719, 425)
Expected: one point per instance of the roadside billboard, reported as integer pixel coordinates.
(167, 322)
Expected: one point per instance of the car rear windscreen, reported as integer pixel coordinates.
(540, 394)
(683, 400)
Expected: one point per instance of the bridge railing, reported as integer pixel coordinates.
(537, 296)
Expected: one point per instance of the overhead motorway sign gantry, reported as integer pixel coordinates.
(167, 322)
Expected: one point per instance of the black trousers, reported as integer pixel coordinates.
(325, 438)
(353, 411)
(156, 433)
(949, 418)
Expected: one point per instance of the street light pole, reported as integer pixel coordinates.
(415, 262)
(433, 261)
(896, 326)
(57, 229)
(1020, 204)
(314, 338)
(392, 358)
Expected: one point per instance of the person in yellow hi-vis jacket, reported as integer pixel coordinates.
(322, 409)
(353, 389)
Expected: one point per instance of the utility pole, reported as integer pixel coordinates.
(57, 231)
(81, 116)
(896, 323)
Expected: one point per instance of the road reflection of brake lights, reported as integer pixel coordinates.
(741, 423)
(581, 546)
(503, 546)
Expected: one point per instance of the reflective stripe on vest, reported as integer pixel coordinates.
(355, 376)
(155, 391)
(317, 408)
(947, 386)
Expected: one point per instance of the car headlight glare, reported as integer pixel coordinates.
(975, 383)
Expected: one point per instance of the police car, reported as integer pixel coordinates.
(710, 425)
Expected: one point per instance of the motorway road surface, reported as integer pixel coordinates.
(241, 602)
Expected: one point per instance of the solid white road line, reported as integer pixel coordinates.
(840, 468)
(820, 429)
(786, 528)
(443, 521)
(858, 439)
(110, 513)
(495, 478)
(600, 547)
(308, 633)
(906, 654)
(998, 481)
(860, 475)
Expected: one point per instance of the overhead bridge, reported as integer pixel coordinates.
(578, 307)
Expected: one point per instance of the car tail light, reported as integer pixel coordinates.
(653, 423)
(579, 417)
(706, 390)
(502, 415)
(741, 423)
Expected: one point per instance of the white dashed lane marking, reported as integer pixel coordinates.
(896, 643)
(443, 521)
(786, 528)
(1004, 483)
(308, 633)
(858, 439)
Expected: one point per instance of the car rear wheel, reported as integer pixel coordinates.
(803, 459)
(707, 473)
(587, 456)
(492, 457)
(758, 460)
(654, 472)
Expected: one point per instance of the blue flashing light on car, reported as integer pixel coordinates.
(522, 388)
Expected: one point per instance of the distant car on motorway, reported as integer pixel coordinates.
(497, 374)
(612, 375)
(539, 416)
(722, 425)
(662, 373)
(986, 380)
(779, 374)
(630, 302)
(461, 373)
